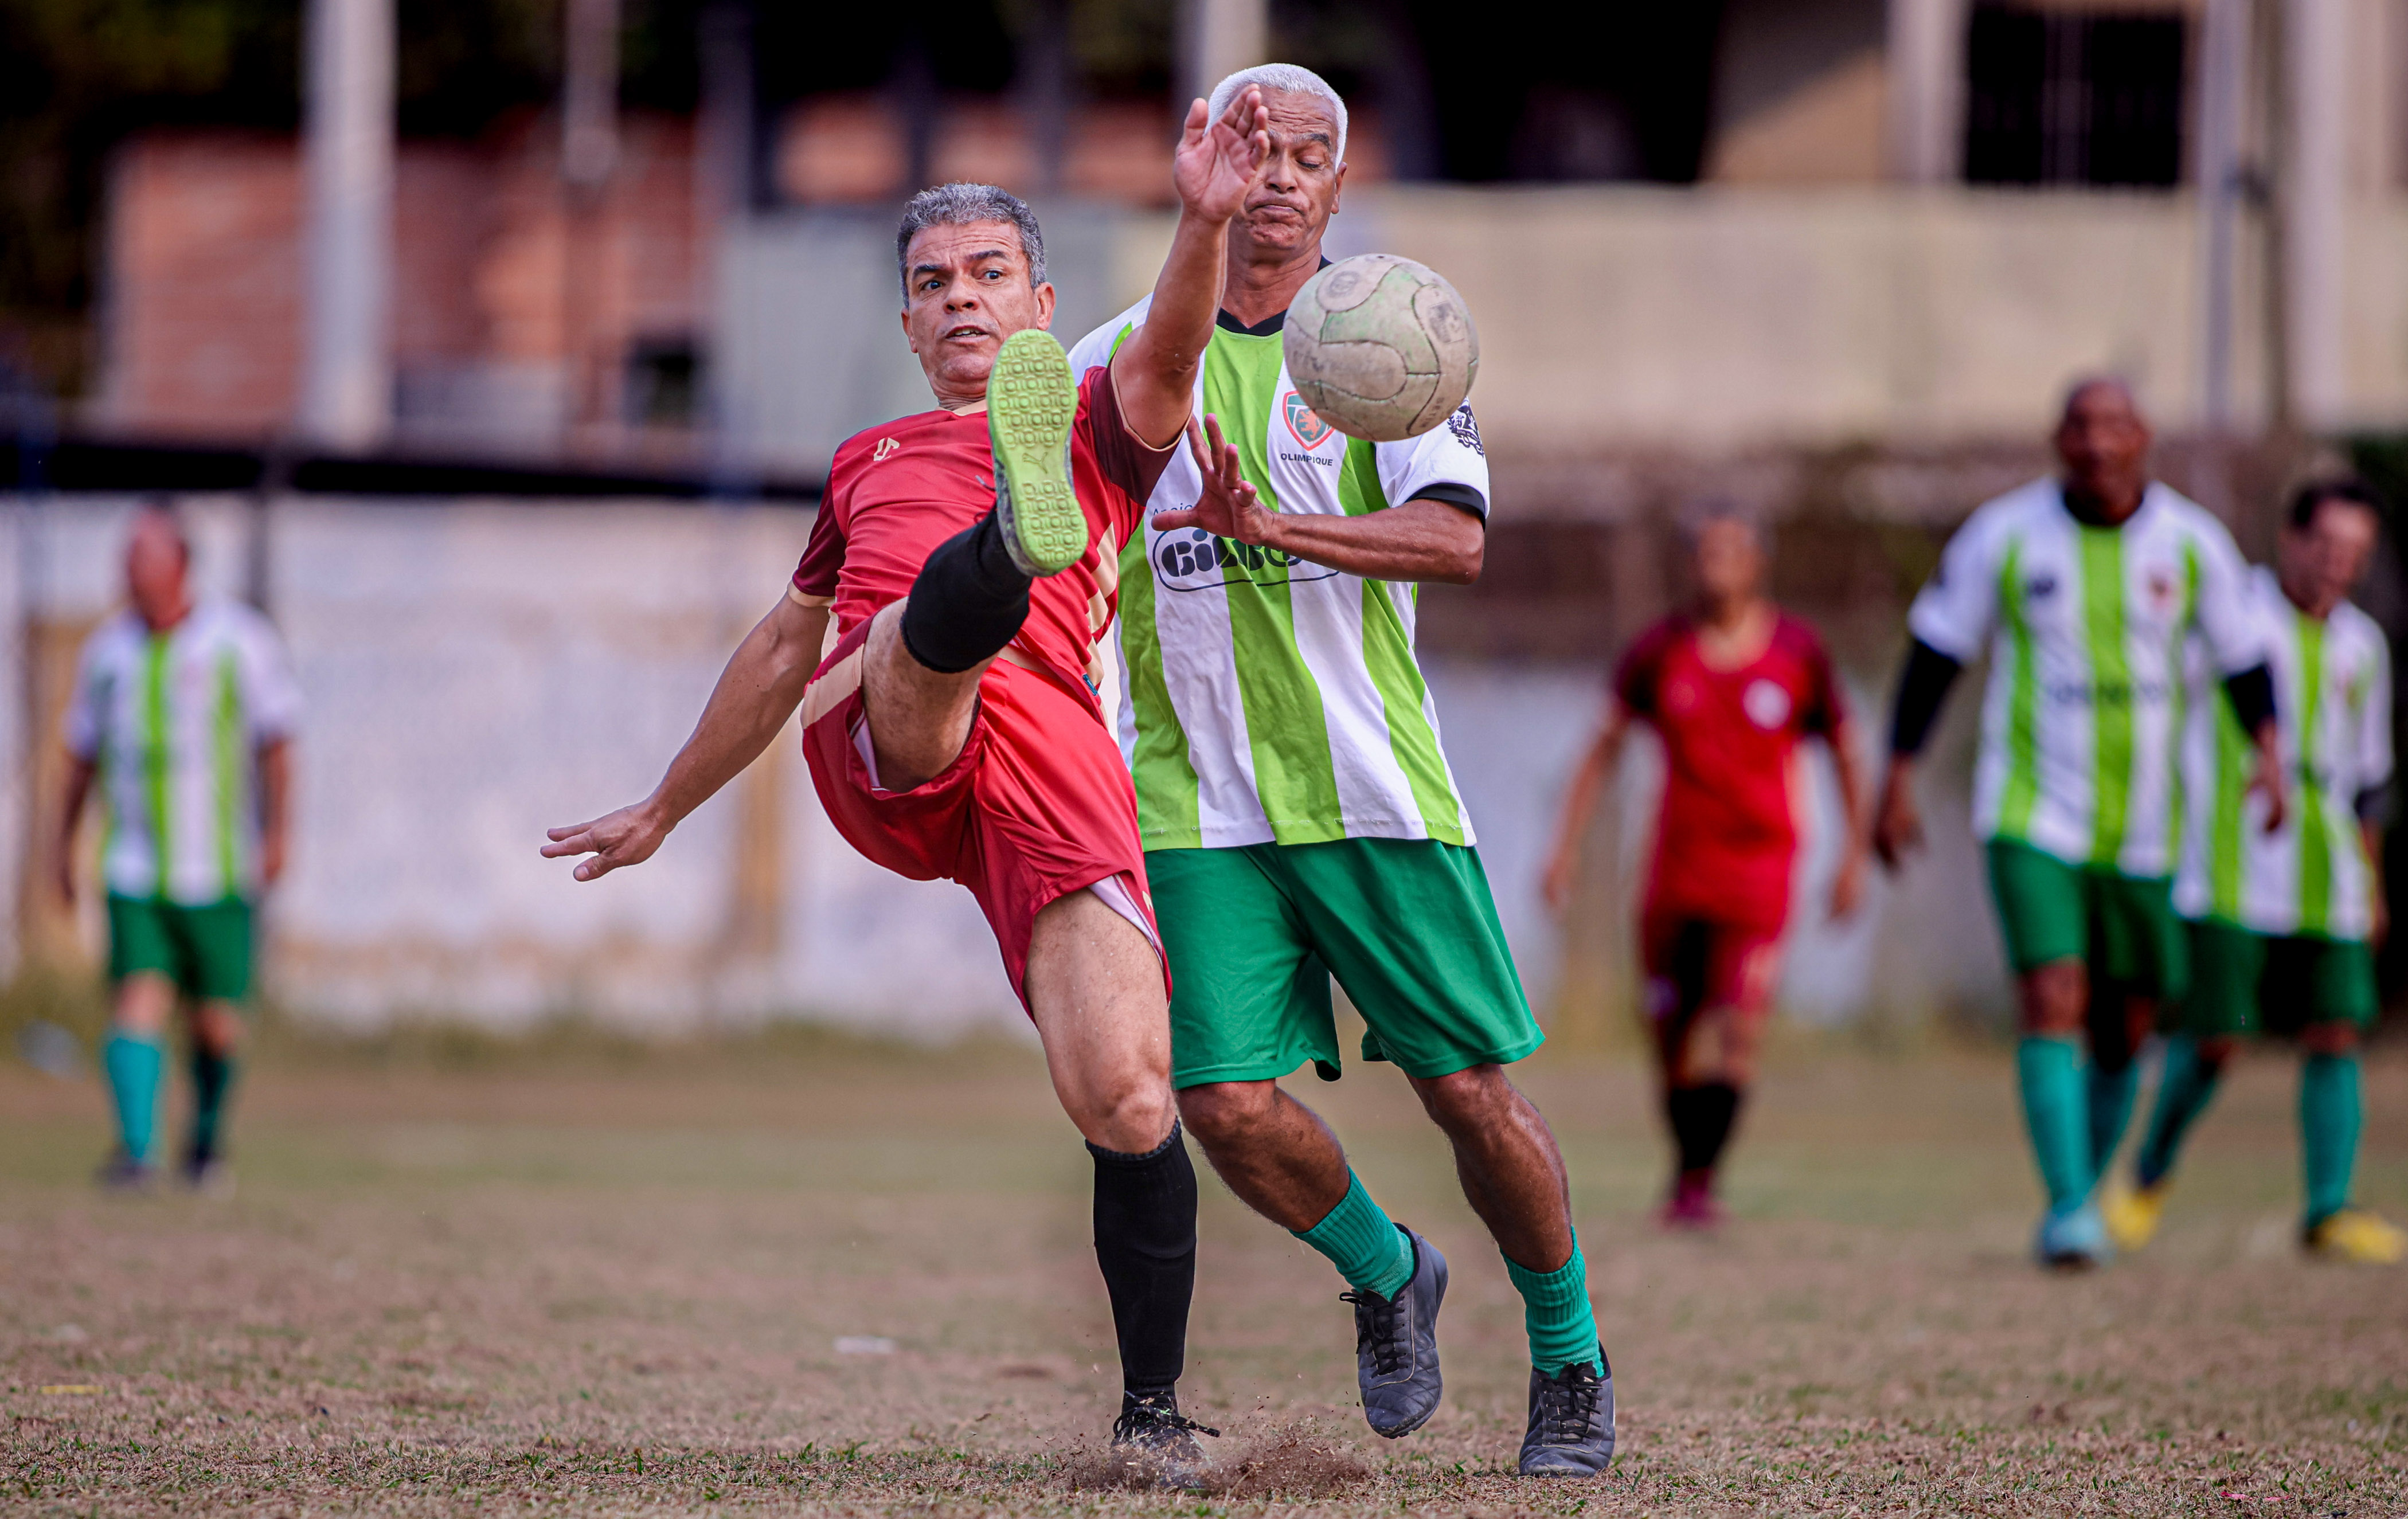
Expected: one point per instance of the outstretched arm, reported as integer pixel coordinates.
(758, 691)
(1154, 371)
(1423, 539)
(1580, 806)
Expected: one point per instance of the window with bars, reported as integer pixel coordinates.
(2073, 97)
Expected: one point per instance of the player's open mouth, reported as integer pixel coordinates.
(966, 334)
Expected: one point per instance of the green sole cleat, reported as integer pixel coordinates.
(1031, 401)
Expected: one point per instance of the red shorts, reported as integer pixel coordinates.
(1694, 964)
(1038, 805)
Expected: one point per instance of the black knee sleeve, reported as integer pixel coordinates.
(1701, 1117)
(968, 601)
(1145, 1243)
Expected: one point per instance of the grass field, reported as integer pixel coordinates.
(591, 1283)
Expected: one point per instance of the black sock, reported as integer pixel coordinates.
(212, 1074)
(1702, 1118)
(1145, 1241)
(968, 603)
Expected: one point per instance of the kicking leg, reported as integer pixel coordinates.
(1095, 989)
(134, 1057)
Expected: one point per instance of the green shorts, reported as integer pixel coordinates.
(205, 951)
(1407, 927)
(2122, 927)
(2246, 982)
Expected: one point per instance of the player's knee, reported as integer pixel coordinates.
(1471, 1097)
(1224, 1114)
(217, 1028)
(2213, 1052)
(2330, 1038)
(144, 1000)
(2055, 998)
(1130, 1112)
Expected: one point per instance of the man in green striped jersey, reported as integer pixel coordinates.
(2083, 591)
(2283, 923)
(183, 712)
(1300, 821)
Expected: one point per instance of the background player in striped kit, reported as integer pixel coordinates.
(1299, 818)
(183, 711)
(2283, 923)
(2084, 590)
(1729, 686)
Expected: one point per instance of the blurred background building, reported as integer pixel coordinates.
(501, 342)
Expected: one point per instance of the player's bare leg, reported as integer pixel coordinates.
(919, 718)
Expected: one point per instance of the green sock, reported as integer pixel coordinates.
(1365, 1246)
(134, 1065)
(2183, 1091)
(2111, 1097)
(2329, 1118)
(212, 1079)
(1555, 1311)
(2046, 1069)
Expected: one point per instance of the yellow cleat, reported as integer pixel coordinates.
(2360, 1237)
(2133, 1216)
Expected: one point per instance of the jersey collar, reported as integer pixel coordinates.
(1269, 326)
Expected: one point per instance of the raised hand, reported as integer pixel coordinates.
(626, 836)
(1228, 505)
(1216, 161)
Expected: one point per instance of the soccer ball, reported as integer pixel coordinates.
(1380, 347)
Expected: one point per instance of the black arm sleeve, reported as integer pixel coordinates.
(1921, 689)
(2252, 694)
(2375, 804)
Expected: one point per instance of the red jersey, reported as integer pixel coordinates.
(1728, 830)
(898, 491)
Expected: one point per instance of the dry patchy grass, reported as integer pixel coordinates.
(602, 1286)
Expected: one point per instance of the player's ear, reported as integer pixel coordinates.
(907, 338)
(1045, 305)
(1337, 189)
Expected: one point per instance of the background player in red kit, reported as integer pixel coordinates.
(1730, 687)
(968, 556)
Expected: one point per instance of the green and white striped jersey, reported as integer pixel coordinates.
(2085, 628)
(2332, 695)
(174, 721)
(1264, 698)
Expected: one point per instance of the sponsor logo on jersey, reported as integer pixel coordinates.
(885, 449)
(2040, 588)
(1191, 559)
(1766, 704)
(1302, 423)
(1465, 431)
(2161, 590)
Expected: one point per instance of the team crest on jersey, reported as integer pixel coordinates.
(886, 446)
(2161, 590)
(1766, 703)
(1465, 431)
(1307, 427)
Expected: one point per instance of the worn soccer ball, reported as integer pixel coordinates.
(1380, 347)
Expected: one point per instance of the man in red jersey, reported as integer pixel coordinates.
(1730, 687)
(968, 557)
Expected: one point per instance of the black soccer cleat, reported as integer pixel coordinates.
(1152, 1430)
(121, 1172)
(1571, 1422)
(1396, 1345)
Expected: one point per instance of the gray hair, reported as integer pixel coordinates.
(1290, 77)
(962, 204)
(1707, 511)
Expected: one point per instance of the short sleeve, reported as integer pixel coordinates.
(1641, 669)
(2375, 718)
(1825, 711)
(82, 722)
(1956, 609)
(823, 561)
(271, 695)
(1124, 458)
(1447, 462)
(2223, 610)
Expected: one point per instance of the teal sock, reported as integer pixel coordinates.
(2183, 1091)
(1555, 1311)
(212, 1079)
(2111, 1095)
(2046, 1069)
(2329, 1119)
(134, 1065)
(1365, 1246)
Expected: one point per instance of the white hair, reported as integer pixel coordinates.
(1290, 77)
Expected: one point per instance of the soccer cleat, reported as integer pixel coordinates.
(208, 1176)
(1153, 1432)
(2073, 1241)
(1031, 401)
(121, 1172)
(2131, 1215)
(1691, 1206)
(1571, 1422)
(1396, 1345)
(2358, 1236)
